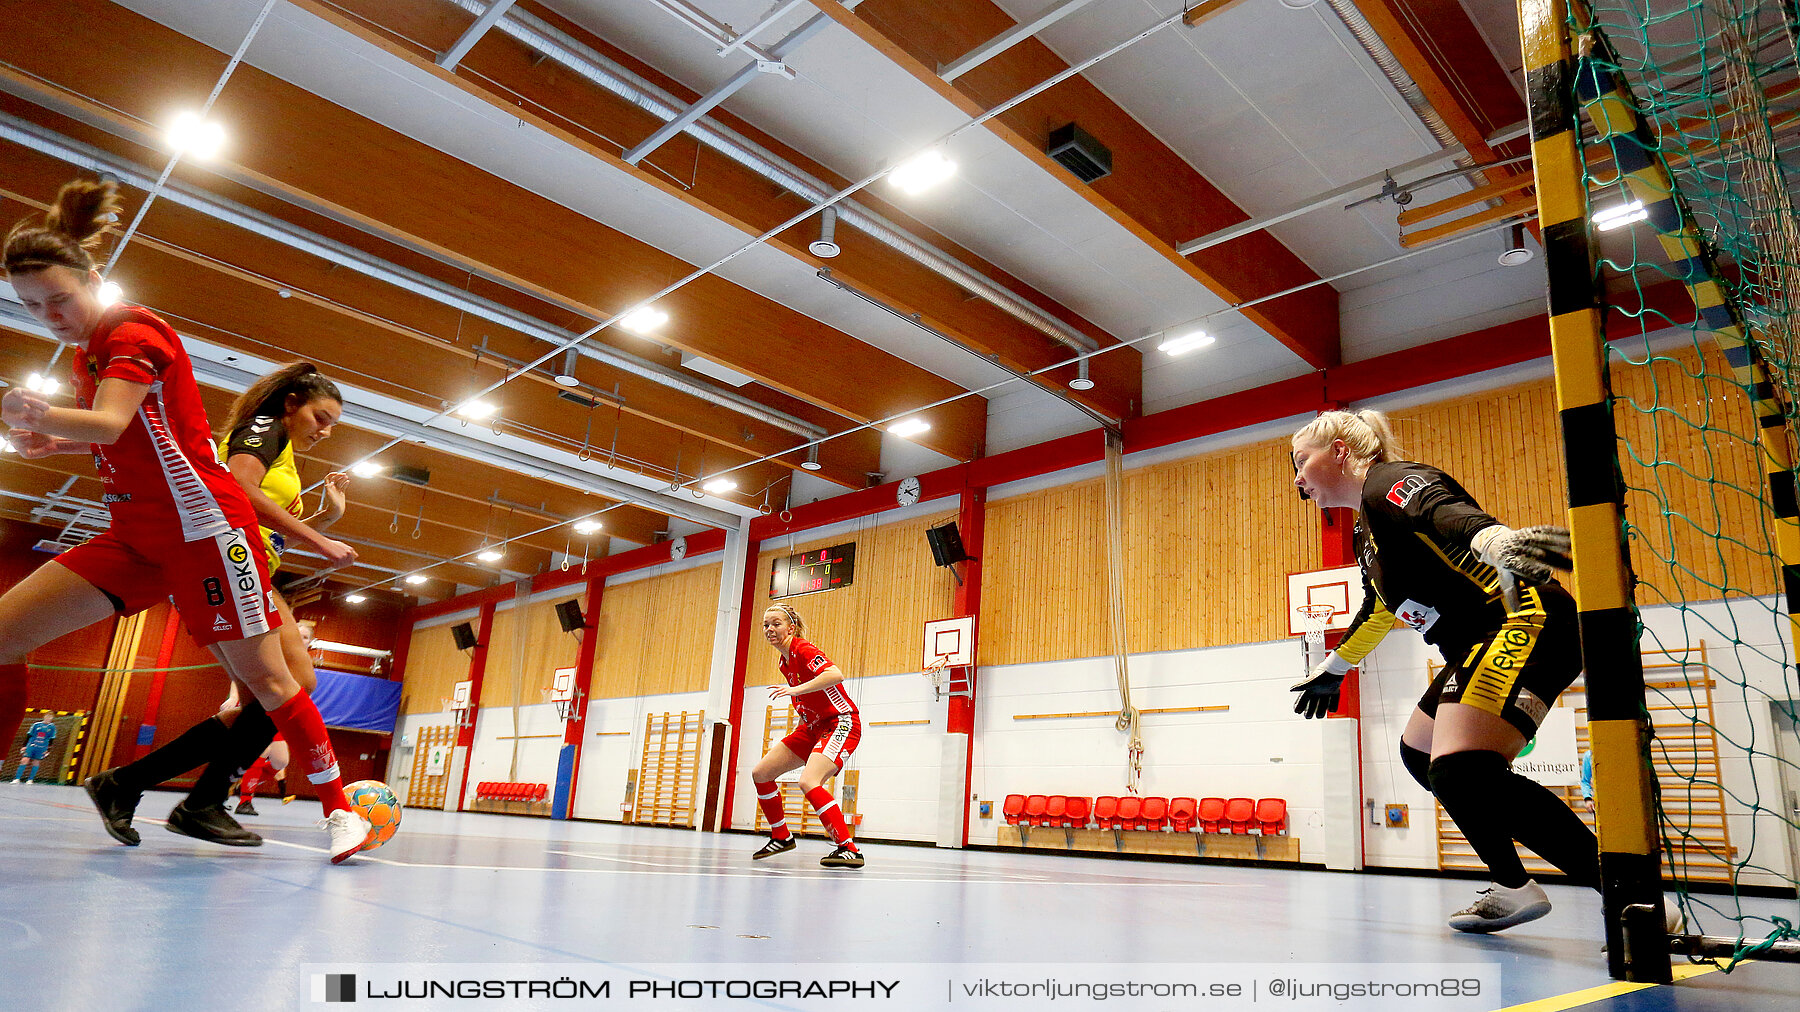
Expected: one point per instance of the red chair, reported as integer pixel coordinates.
(1106, 812)
(1013, 808)
(1210, 816)
(1240, 815)
(1271, 815)
(1034, 809)
(1129, 811)
(1055, 810)
(1181, 814)
(1075, 814)
(1155, 814)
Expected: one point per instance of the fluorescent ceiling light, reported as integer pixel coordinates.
(489, 555)
(906, 428)
(475, 409)
(356, 598)
(415, 579)
(110, 293)
(718, 485)
(645, 320)
(365, 469)
(5, 446)
(1620, 215)
(1186, 342)
(195, 137)
(922, 171)
(42, 384)
(588, 526)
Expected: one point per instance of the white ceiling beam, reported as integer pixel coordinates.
(449, 58)
(1009, 38)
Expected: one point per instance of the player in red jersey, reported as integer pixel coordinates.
(182, 528)
(829, 731)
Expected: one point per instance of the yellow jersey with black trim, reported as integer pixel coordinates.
(264, 437)
(1413, 544)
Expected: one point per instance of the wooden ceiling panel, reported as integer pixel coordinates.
(422, 195)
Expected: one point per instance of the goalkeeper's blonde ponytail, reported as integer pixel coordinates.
(1368, 435)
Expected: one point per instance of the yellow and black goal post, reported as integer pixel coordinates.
(1668, 467)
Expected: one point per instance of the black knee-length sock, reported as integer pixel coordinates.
(192, 747)
(249, 735)
(1470, 785)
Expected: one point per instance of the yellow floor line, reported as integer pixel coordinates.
(1576, 999)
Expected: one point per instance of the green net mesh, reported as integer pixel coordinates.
(1689, 117)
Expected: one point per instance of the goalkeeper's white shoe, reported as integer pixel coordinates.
(1497, 908)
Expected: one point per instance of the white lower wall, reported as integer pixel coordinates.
(608, 758)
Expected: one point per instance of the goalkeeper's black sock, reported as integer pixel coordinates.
(1471, 786)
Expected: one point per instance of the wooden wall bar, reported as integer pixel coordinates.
(874, 626)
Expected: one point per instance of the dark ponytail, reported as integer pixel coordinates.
(296, 379)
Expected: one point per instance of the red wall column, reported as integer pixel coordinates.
(465, 735)
(575, 730)
(153, 702)
(971, 521)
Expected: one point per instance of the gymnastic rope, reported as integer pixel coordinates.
(1115, 585)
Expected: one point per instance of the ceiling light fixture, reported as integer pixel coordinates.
(489, 555)
(906, 428)
(355, 598)
(1186, 342)
(196, 138)
(475, 409)
(922, 171)
(566, 376)
(110, 293)
(718, 486)
(415, 579)
(5, 445)
(42, 384)
(588, 526)
(365, 469)
(1620, 215)
(645, 320)
(1516, 252)
(1081, 380)
(811, 463)
(825, 245)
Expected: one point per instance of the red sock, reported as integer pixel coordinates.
(252, 781)
(830, 815)
(13, 680)
(769, 797)
(298, 721)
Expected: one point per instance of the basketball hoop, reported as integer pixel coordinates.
(1316, 617)
(935, 672)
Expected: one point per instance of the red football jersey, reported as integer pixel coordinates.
(802, 663)
(162, 475)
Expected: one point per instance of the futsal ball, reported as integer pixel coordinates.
(377, 803)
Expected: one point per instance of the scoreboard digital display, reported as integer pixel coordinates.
(812, 572)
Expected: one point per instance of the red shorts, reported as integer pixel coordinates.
(834, 738)
(218, 584)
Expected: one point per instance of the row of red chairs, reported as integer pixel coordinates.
(1206, 815)
(500, 790)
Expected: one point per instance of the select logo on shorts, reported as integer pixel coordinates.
(1405, 489)
(334, 987)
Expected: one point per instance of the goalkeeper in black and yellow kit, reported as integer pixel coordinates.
(1483, 594)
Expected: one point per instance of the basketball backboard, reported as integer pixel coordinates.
(1340, 587)
(951, 640)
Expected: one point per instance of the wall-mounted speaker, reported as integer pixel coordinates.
(946, 544)
(568, 615)
(464, 635)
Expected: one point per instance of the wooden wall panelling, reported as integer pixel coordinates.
(874, 626)
(656, 635)
(433, 667)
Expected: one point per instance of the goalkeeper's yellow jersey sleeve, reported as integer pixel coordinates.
(1369, 627)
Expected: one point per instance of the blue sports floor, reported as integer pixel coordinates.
(177, 924)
